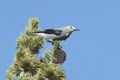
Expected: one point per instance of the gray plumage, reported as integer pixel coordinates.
(55, 34)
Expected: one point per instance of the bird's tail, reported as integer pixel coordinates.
(31, 33)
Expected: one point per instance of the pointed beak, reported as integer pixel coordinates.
(76, 29)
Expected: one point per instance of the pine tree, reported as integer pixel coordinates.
(27, 64)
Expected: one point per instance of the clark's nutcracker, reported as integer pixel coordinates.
(55, 34)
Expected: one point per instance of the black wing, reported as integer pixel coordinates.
(50, 31)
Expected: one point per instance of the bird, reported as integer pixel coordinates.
(51, 35)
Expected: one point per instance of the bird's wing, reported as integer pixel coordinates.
(50, 31)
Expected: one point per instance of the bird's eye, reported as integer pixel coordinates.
(71, 27)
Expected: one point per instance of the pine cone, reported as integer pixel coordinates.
(60, 56)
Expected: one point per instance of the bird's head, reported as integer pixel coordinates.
(71, 28)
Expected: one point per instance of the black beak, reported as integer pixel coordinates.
(76, 29)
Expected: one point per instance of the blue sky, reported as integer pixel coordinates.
(92, 54)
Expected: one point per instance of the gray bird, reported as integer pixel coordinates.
(55, 34)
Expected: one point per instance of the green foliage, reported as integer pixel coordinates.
(32, 25)
(48, 56)
(56, 45)
(27, 65)
(30, 43)
(33, 22)
(12, 73)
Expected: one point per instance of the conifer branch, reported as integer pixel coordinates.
(27, 65)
